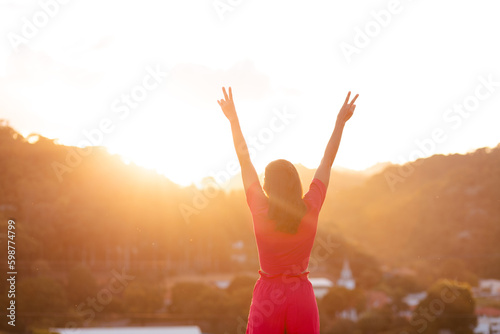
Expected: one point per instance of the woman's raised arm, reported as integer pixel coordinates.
(248, 172)
(323, 171)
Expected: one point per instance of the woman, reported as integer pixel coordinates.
(285, 226)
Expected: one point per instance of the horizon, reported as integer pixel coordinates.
(236, 176)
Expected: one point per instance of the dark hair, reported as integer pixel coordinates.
(282, 186)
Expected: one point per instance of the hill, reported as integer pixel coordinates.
(439, 212)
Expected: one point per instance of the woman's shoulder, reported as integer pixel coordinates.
(316, 194)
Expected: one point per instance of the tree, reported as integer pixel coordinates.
(375, 321)
(184, 296)
(241, 282)
(456, 269)
(341, 326)
(42, 300)
(81, 284)
(339, 299)
(240, 291)
(143, 297)
(448, 305)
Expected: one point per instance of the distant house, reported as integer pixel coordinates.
(489, 312)
(413, 299)
(131, 330)
(489, 287)
(350, 314)
(487, 325)
(320, 286)
(222, 284)
(376, 299)
(495, 327)
(238, 254)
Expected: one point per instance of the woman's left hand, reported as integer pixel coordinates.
(227, 105)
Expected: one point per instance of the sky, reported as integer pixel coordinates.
(142, 78)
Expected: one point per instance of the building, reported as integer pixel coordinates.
(131, 330)
(488, 288)
(487, 325)
(377, 299)
(238, 254)
(222, 283)
(346, 280)
(320, 286)
(413, 299)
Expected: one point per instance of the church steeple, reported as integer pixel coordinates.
(346, 280)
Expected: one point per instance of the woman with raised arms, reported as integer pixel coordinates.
(285, 224)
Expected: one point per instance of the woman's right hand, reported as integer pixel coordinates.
(347, 109)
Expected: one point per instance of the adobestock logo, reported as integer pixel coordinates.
(453, 117)
(39, 20)
(223, 6)
(371, 29)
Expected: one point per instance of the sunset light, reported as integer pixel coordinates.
(64, 80)
(249, 167)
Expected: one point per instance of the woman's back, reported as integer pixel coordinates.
(281, 252)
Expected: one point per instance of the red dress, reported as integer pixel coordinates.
(283, 298)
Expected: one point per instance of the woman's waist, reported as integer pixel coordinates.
(284, 275)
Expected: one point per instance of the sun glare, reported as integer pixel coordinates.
(160, 163)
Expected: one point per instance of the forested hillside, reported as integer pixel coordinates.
(444, 213)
